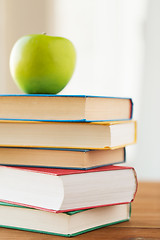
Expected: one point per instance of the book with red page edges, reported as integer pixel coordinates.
(62, 190)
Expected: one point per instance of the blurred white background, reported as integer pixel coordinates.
(118, 54)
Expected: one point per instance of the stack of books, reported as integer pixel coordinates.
(59, 157)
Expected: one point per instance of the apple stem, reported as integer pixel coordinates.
(44, 33)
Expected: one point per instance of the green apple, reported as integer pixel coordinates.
(42, 64)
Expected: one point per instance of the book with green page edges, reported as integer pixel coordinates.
(63, 224)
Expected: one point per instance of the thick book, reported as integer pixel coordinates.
(62, 190)
(60, 158)
(63, 224)
(98, 135)
(65, 108)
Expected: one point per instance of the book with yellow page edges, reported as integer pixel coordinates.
(94, 135)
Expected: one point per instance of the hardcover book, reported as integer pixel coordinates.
(63, 224)
(64, 108)
(62, 190)
(98, 135)
(60, 158)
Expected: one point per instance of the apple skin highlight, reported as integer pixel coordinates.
(42, 64)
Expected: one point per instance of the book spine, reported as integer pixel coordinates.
(131, 109)
(136, 179)
(124, 154)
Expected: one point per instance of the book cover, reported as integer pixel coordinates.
(62, 172)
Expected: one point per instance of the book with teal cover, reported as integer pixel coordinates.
(63, 224)
(83, 159)
(70, 108)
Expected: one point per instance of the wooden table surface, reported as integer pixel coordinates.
(144, 223)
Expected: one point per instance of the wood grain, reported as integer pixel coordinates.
(144, 223)
(146, 207)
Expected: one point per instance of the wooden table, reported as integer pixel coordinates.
(144, 223)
